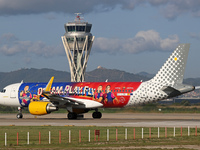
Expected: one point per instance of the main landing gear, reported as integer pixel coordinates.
(97, 115)
(19, 115)
(72, 115)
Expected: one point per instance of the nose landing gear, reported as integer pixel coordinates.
(19, 115)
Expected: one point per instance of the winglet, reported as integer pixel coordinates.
(48, 86)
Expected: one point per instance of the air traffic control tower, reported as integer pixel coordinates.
(77, 42)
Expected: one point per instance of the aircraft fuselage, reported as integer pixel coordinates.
(110, 94)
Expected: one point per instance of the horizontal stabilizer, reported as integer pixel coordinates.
(170, 91)
(197, 87)
(177, 90)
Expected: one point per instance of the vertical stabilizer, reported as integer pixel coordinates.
(172, 71)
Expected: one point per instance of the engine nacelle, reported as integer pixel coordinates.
(41, 108)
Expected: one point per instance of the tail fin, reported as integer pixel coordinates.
(172, 71)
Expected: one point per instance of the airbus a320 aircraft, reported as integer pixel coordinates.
(79, 98)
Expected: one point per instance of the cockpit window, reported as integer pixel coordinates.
(3, 91)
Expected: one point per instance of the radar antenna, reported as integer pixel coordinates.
(78, 17)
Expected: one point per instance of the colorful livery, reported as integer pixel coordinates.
(81, 97)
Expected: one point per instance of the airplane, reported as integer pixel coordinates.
(80, 97)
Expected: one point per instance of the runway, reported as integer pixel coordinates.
(108, 119)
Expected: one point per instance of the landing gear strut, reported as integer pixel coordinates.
(19, 115)
(97, 115)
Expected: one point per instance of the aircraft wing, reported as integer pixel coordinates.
(78, 102)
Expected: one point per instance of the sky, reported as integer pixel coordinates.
(131, 35)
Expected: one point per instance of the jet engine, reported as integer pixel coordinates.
(41, 108)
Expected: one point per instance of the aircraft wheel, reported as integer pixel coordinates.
(97, 115)
(19, 116)
(72, 115)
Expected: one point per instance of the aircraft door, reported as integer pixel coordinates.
(13, 92)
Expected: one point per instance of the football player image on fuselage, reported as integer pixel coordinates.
(109, 97)
(25, 96)
(99, 95)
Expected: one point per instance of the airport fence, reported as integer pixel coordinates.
(14, 135)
